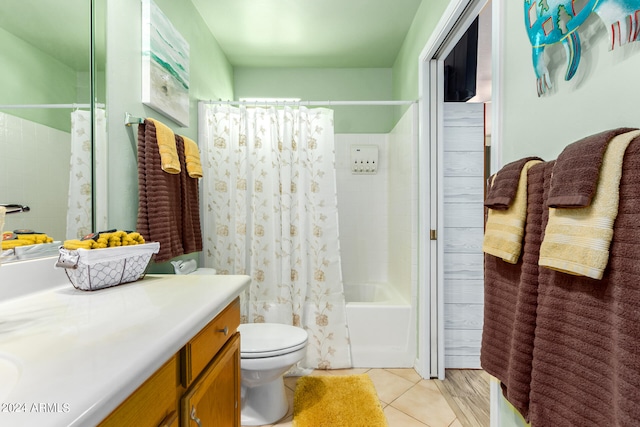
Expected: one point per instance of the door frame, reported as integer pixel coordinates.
(454, 22)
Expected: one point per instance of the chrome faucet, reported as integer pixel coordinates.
(13, 208)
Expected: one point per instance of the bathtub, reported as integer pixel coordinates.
(381, 326)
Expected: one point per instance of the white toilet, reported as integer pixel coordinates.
(267, 352)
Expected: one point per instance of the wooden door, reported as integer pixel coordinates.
(463, 207)
(214, 398)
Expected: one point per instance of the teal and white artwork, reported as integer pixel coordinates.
(559, 21)
(165, 65)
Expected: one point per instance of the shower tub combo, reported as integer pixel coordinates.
(381, 326)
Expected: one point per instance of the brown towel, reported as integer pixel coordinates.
(577, 170)
(511, 292)
(504, 187)
(191, 230)
(586, 359)
(168, 203)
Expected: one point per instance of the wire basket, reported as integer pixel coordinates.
(93, 269)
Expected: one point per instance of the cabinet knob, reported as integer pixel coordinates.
(193, 416)
(225, 331)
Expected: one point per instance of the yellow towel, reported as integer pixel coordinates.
(167, 146)
(25, 240)
(77, 244)
(576, 241)
(192, 158)
(106, 240)
(505, 228)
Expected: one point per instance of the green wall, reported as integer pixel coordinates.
(602, 95)
(326, 84)
(399, 82)
(211, 77)
(30, 76)
(405, 68)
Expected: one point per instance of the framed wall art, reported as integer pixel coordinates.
(165, 65)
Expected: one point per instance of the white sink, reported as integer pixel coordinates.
(10, 373)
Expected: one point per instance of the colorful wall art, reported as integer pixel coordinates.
(165, 65)
(558, 21)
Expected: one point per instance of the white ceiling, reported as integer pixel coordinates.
(309, 33)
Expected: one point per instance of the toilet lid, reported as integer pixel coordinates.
(270, 339)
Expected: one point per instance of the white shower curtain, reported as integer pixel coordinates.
(270, 211)
(79, 205)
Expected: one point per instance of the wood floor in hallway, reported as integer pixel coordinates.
(467, 393)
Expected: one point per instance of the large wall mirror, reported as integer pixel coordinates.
(52, 99)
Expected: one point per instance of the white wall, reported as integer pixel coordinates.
(377, 213)
(40, 181)
(362, 212)
(403, 204)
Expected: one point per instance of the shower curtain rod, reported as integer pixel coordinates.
(309, 103)
(11, 106)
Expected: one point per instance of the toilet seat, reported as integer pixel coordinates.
(260, 340)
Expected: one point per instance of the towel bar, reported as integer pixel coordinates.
(131, 120)
(14, 208)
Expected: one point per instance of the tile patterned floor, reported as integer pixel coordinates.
(407, 399)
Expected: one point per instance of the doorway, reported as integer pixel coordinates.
(433, 338)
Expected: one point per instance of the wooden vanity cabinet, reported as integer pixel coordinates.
(198, 386)
(214, 398)
(153, 403)
(211, 373)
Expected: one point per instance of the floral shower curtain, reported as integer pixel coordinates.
(79, 204)
(271, 213)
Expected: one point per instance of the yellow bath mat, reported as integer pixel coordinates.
(337, 401)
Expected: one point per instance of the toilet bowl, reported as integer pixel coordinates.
(267, 352)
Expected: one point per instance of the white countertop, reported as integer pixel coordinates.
(80, 354)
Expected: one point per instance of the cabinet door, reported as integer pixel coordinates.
(214, 398)
(171, 420)
(153, 403)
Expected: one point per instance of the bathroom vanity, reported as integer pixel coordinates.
(160, 351)
(199, 384)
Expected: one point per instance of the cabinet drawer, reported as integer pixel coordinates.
(200, 350)
(155, 402)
